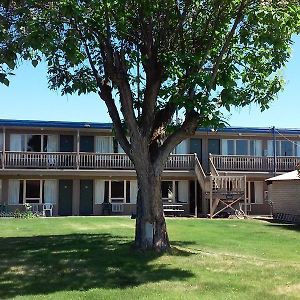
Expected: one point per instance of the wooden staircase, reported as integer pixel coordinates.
(223, 193)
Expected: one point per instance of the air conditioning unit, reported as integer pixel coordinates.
(117, 208)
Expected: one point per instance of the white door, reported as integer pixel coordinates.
(255, 192)
(259, 192)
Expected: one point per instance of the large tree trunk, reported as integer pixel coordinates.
(151, 230)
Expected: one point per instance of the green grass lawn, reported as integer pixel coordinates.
(92, 258)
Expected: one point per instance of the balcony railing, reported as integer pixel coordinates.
(254, 163)
(83, 160)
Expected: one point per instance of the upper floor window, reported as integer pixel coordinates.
(242, 147)
(104, 144)
(33, 142)
(284, 148)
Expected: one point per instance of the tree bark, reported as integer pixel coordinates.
(151, 229)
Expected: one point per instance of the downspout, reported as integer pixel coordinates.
(274, 151)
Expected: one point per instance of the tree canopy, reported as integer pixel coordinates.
(192, 55)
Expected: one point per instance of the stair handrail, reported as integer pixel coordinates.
(212, 167)
(200, 174)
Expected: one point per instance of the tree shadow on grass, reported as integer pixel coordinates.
(48, 264)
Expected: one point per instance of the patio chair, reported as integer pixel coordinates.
(47, 207)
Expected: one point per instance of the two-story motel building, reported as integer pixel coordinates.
(79, 168)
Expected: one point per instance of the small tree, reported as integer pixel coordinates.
(152, 60)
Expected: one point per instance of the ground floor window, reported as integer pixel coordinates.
(175, 191)
(125, 191)
(167, 191)
(117, 191)
(113, 191)
(32, 191)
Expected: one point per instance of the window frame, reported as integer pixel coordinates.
(169, 199)
(117, 200)
(251, 143)
(41, 187)
(25, 137)
(279, 147)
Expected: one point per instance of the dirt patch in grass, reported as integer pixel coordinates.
(291, 290)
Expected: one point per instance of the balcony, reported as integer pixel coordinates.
(254, 163)
(81, 161)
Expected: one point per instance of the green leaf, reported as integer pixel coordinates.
(35, 62)
(5, 81)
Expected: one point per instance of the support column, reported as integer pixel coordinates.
(77, 149)
(3, 149)
(245, 196)
(275, 151)
(210, 196)
(196, 198)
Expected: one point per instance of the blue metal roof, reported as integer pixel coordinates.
(54, 124)
(253, 130)
(93, 125)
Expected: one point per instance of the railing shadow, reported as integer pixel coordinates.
(48, 264)
(283, 225)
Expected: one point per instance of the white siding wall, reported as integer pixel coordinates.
(99, 191)
(13, 191)
(133, 191)
(183, 191)
(50, 191)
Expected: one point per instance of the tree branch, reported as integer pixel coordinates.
(164, 115)
(116, 70)
(228, 39)
(186, 130)
(106, 94)
(153, 70)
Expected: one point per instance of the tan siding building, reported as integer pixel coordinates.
(284, 194)
(79, 169)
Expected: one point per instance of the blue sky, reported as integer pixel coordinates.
(29, 98)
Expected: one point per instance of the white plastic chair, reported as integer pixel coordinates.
(47, 207)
